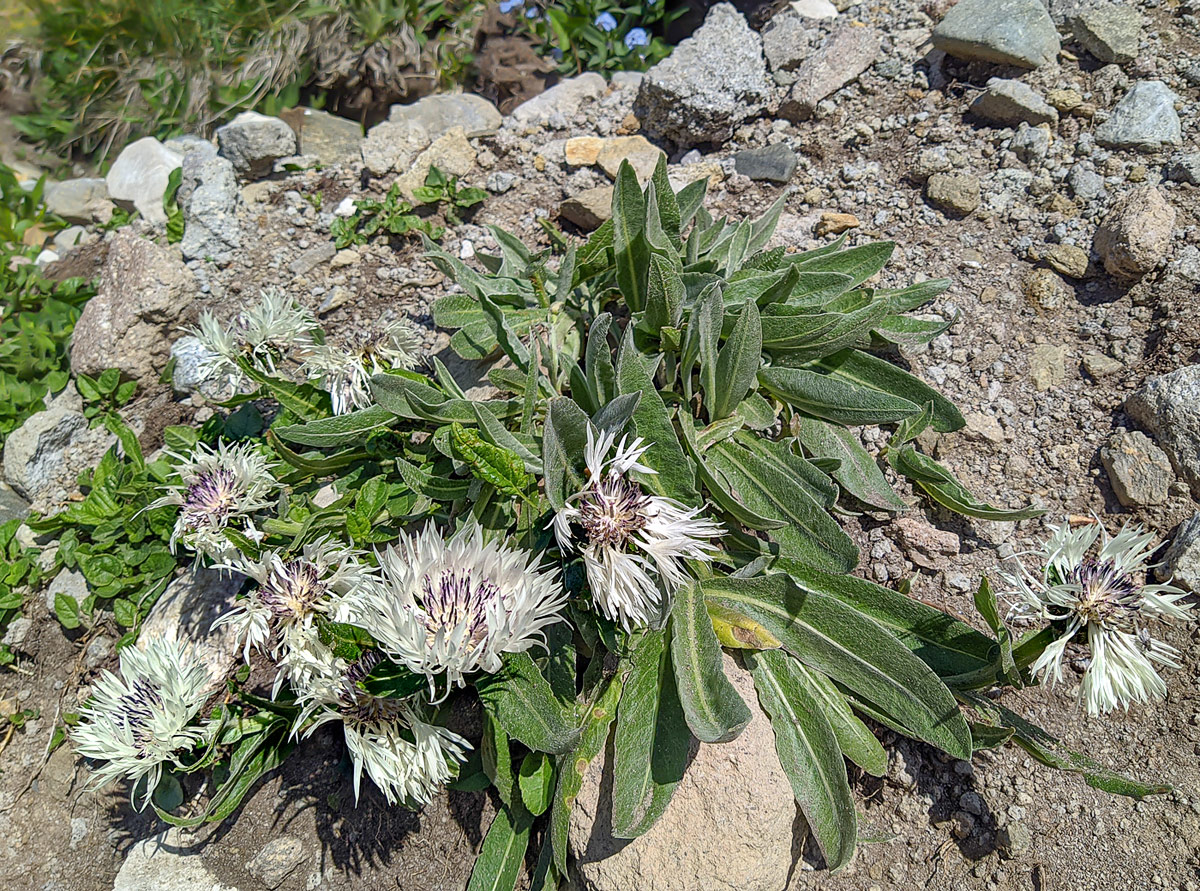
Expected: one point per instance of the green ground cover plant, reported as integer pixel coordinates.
(654, 486)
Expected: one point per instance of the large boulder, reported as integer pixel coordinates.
(209, 194)
(138, 178)
(324, 136)
(254, 142)
(562, 100)
(1010, 32)
(711, 83)
(144, 295)
(1169, 407)
(79, 201)
(731, 824)
(1135, 237)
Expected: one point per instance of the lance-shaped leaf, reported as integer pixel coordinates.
(860, 263)
(740, 632)
(858, 473)
(853, 650)
(808, 752)
(652, 742)
(574, 765)
(737, 364)
(494, 465)
(840, 401)
(498, 866)
(597, 361)
(563, 444)
(940, 485)
(714, 710)
(525, 705)
(862, 368)
(664, 296)
(855, 739)
(629, 239)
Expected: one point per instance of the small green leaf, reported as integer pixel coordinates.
(836, 400)
(941, 485)
(66, 608)
(497, 466)
(537, 782)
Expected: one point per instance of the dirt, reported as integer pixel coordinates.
(1001, 822)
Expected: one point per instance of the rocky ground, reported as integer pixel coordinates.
(1047, 161)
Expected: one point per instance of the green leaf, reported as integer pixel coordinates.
(740, 632)
(946, 645)
(664, 297)
(1050, 751)
(853, 650)
(985, 602)
(499, 467)
(437, 487)
(827, 397)
(629, 241)
(598, 363)
(521, 699)
(303, 400)
(767, 487)
(498, 866)
(651, 742)
(941, 485)
(563, 444)
(124, 612)
(737, 364)
(713, 709)
(537, 782)
(66, 608)
(809, 753)
(573, 766)
(860, 263)
(858, 473)
(855, 739)
(862, 368)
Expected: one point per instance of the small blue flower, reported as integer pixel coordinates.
(637, 37)
(531, 13)
(606, 22)
(510, 5)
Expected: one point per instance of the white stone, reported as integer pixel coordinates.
(815, 9)
(138, 178)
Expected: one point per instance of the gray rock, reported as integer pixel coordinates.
(98, 651)
(80, 201)
(168, 861)
(1015, 840)
(626, 80)
(846, 54)
(312, 258)
(328, 138)
(1181, 562)
(713, 81)
(142, 298)
(254, 142)
(1010, 32)
(187, 609)
(589, 208)
(278, 859)
(956, 193)
(44, 455)
(211, 229)
(500, 182)
(1099, 365)
(1085, 183)
(1140, 472)
(190, 142)
(1169, 407)
(1144, 119)
(788, 40)
(814, 9)
(69, 582)
(1135, 237)
(12, 505)
(733, 815)
(442, 112)
(189, 355)
(564, 98)
(1011, 102)
(774, 163)
(72, 236)
(17, 633)
(1031, 144)
(391, 146)
(1185, 169)
(1109, 31)
(138, 178)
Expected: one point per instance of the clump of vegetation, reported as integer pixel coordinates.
(598, 35)
(396, 216)
(37, 316)
(653, 488)
(111, 71)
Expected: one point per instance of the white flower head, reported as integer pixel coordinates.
(264, 333)
(406, 755)
(453, 606)
(631, 541)
(292, 590)
(345, 371)
(216, 487)
(141, 719)
(1105, 595)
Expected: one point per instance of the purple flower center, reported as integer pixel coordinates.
(1106, 594)
(293, 590)
(210, 499)
(612, 510)
(456, 598)
(137, 710)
